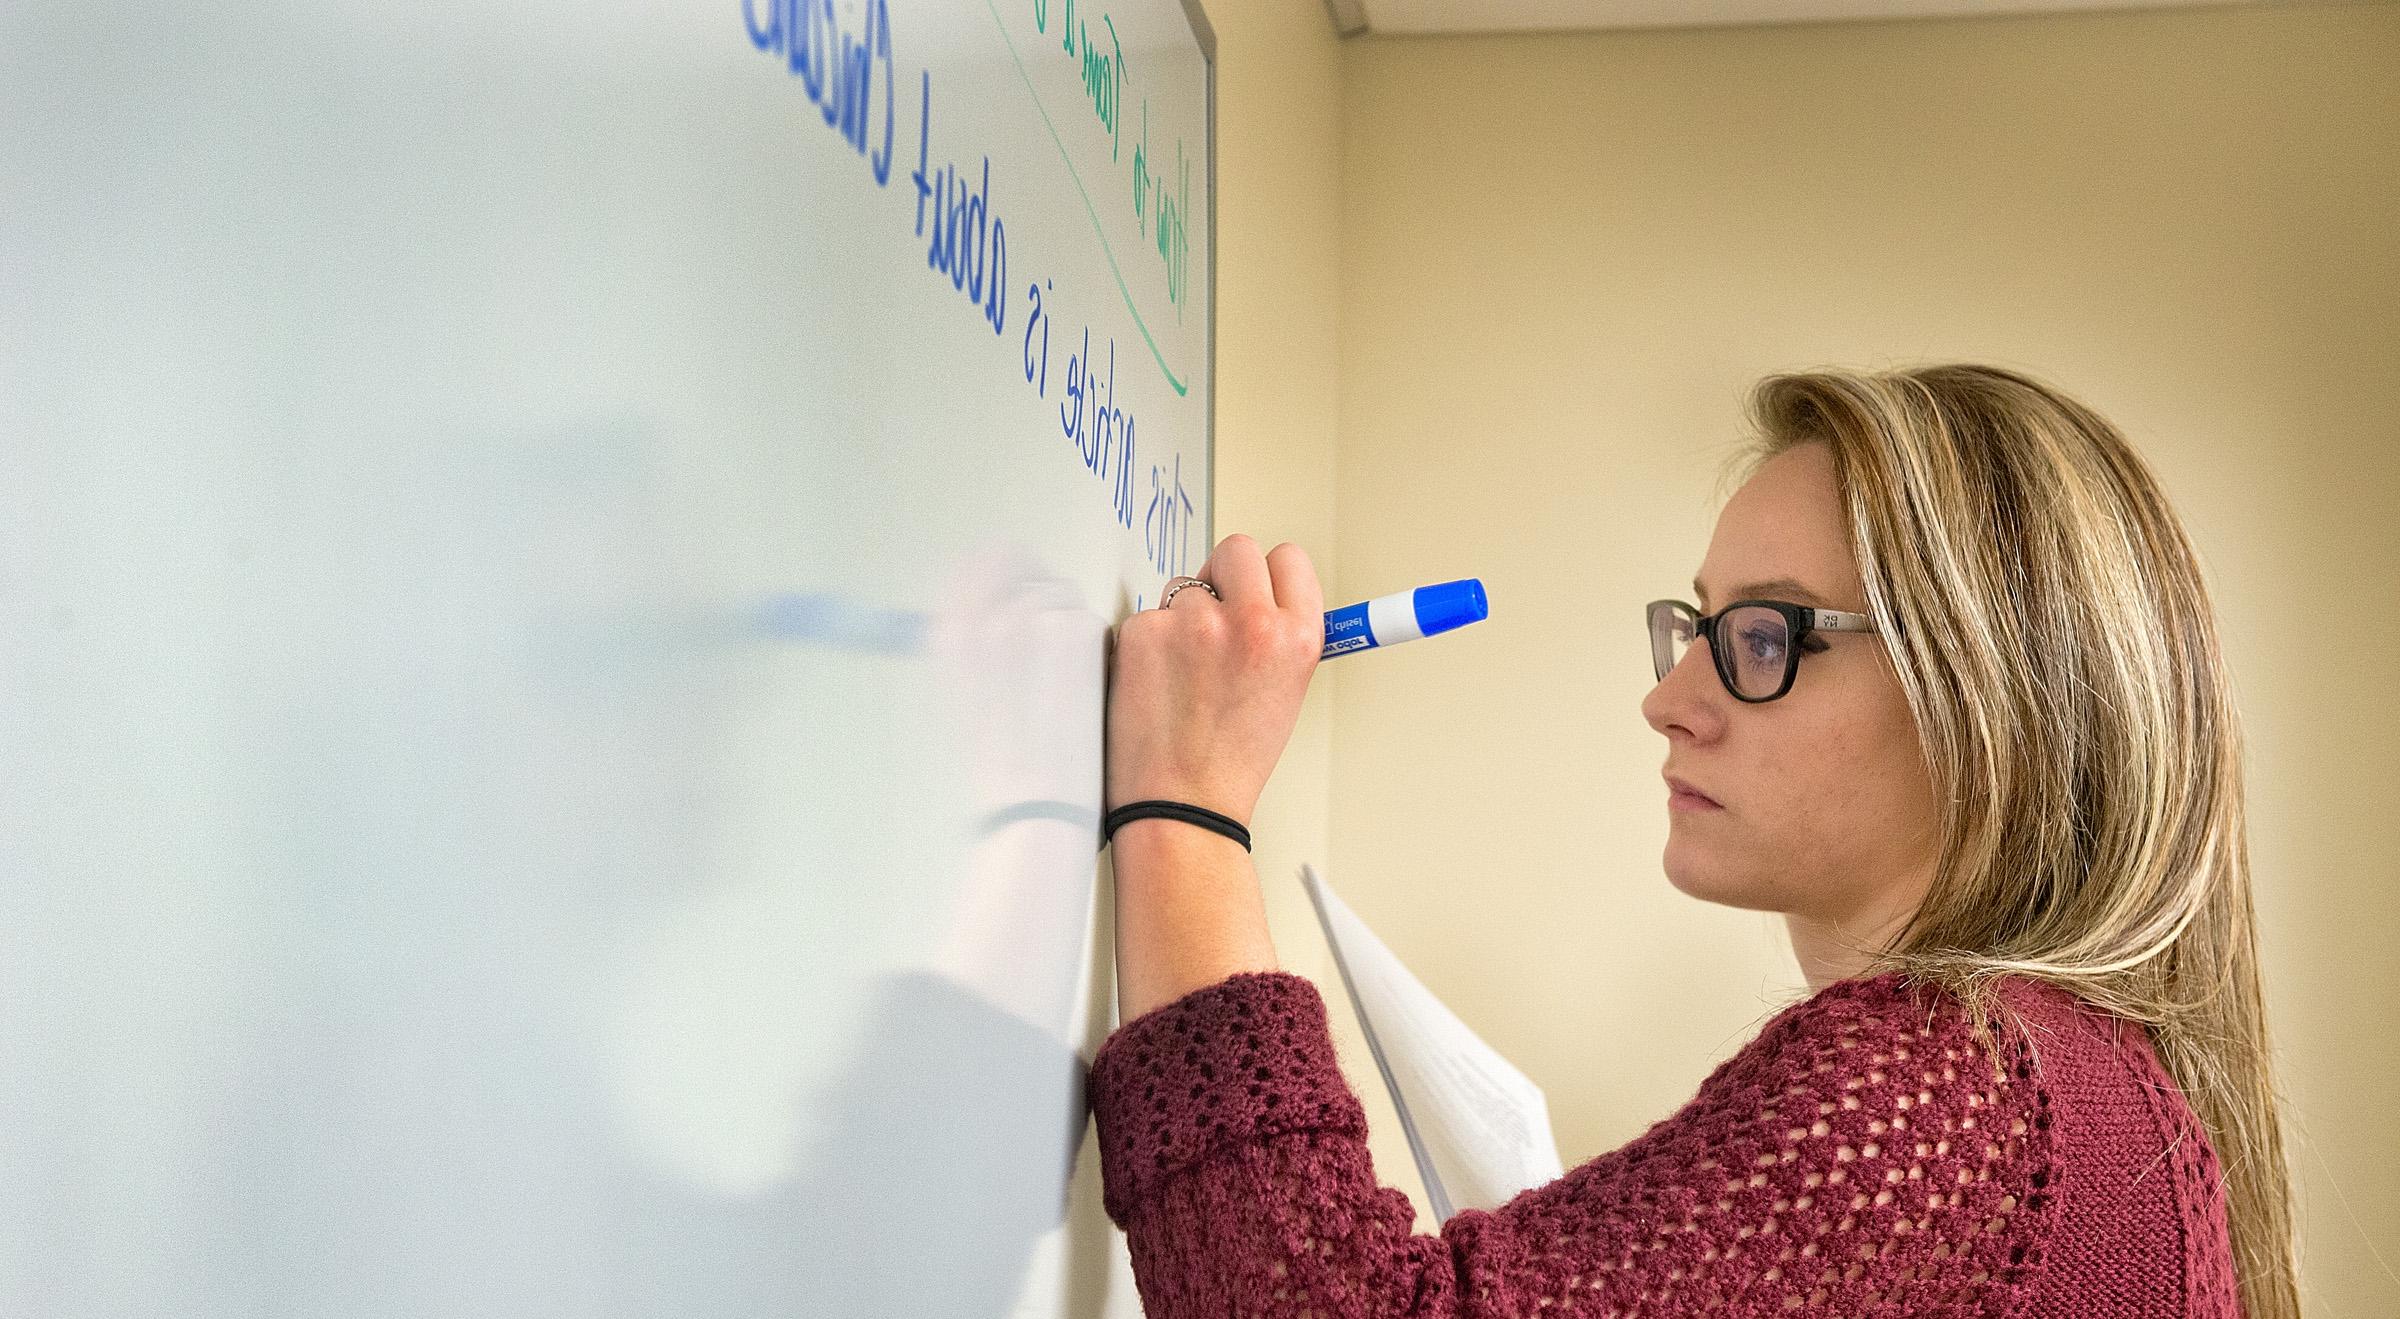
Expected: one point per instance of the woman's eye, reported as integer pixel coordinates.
(1763, 643)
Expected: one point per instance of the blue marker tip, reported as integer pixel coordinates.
(1404, 616)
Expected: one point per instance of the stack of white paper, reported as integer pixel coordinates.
(1478, 1127)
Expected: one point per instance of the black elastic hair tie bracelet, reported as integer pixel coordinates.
(1175, 810)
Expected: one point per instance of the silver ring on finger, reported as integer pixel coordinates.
(1175, 584)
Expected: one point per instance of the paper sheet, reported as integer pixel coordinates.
(1479, 1128)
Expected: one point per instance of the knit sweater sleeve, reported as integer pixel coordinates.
(1862, 1155)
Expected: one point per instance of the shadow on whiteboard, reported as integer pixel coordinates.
(918, 1166)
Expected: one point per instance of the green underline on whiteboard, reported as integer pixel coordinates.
(1105, 249)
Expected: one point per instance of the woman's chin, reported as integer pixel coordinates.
(1710, 880)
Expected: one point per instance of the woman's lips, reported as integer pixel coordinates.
(1682, 796)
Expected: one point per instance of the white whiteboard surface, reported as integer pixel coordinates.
(552, 652)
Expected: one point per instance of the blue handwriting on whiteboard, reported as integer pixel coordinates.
(838, 69)
(1167, 526)
(965, 228)
(967, 243)
(1100, 429)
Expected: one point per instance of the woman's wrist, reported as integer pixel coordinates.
(1188, 912)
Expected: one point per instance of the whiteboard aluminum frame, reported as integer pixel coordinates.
(1206, 36)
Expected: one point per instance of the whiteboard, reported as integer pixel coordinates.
(555, 568)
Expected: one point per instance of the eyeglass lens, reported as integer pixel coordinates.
(1756, 642)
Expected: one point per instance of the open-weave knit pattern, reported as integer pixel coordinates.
(1864, 1155)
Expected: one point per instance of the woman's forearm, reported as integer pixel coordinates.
(1189, 913)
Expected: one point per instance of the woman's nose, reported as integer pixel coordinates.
(1686, 697)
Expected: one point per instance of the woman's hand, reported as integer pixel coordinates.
(1203, 694)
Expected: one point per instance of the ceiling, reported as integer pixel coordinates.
(1400, 17)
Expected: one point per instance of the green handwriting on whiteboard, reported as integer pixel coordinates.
(1174, 246)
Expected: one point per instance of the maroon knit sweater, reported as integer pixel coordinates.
(1862, 1156)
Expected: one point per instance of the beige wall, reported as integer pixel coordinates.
(1562, 261)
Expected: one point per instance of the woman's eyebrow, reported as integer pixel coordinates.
(1778, 588)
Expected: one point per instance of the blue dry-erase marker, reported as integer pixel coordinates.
(1389, 620)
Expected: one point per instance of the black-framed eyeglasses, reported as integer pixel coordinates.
(1756, 643)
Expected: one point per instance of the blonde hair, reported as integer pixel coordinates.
(2048, 624)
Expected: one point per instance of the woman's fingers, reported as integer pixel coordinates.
(1295, 579)
(1239, 572)
(1285, 579)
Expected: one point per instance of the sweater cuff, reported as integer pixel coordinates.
(1225, 1066)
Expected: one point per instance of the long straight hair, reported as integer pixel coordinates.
(2048, 623)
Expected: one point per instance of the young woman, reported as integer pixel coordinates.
(1952, 701)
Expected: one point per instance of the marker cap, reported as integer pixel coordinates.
(1450, 604)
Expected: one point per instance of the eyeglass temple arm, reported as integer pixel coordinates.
(1836, 620)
